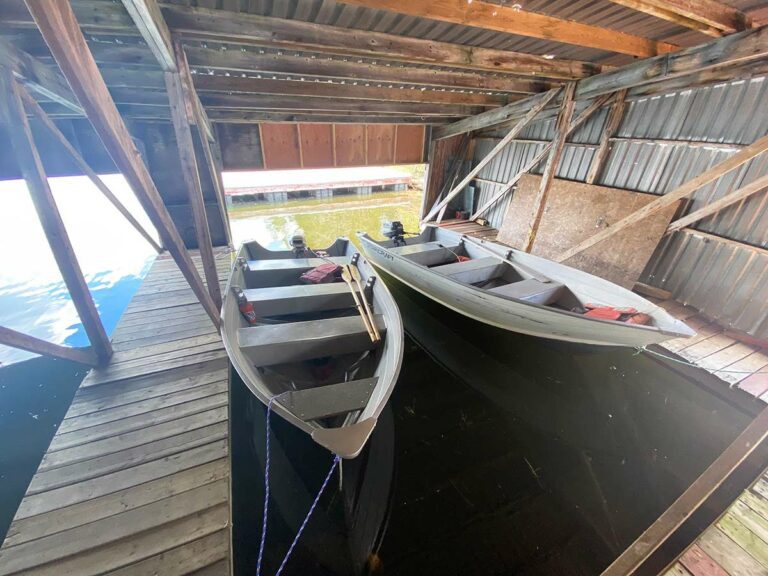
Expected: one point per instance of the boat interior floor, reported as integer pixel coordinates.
(500, 277)
(310, 344)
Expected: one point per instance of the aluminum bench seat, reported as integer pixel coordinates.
(296, 341)
(531, 290)
(427, 253)
(299, 299)
(472, 271)
(283, 271)
(331, 400)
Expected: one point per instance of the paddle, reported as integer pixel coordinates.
(356, 275)
(346, 275)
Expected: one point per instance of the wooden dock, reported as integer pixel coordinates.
(136, 479)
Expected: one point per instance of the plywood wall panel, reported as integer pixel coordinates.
(576, 211)
(409, 144)
(380, 144)
(280, 143)
(240, 146)
(350, 144)
(316, 145)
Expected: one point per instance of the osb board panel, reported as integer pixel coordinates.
(575, 212)
(240, 146)
(381, 144)
(350, 144)
(409, 144)
(316, 145)
(281, 146)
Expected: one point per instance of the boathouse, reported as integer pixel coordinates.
(625, 138)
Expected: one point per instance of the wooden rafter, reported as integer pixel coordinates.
(707, 61)
(27, 156)
(61, 31)
(707, 16)
(249, 29)
(149, 20)
(238, 85)
(511, 135)
(38, 112)
(35, 345)
(38, 77)
(516, 21)
(738, 159)
(553, 161)
(252, 62)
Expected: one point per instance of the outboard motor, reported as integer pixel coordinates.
(298, 245)
(394, 230)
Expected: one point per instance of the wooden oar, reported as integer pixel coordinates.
(359, 281)
(346, 275)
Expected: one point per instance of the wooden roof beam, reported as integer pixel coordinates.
(250, 29)
(149, 20)
(706, 16)
(252, 62)
(748, 48)
(38, 77)
(514, 21)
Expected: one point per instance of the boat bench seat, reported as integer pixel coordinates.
(283, 271)
(330, 400)
(531, 290)
(299, 299)
(428, 253)
(296, 341)
(472, 271)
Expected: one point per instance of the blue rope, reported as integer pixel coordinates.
(336, 460)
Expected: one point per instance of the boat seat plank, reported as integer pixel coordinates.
(284, 271)
(530, 290)
(331, 400)
(472, 271)
(427, 253)
(299, 299)
(295, 341)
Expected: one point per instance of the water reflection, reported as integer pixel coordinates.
(509, 455)
(113, 256)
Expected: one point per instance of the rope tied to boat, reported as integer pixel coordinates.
(639, 350)
(336, 460)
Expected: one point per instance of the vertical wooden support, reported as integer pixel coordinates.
(181, 114)
(61, 31)
(29, 343)
(205, 143)
(511, 135)
(558, 143)
(55, 232)
(611, 126)
(45, 120)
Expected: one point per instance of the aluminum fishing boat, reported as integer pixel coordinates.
(520, 292)
(327, 354)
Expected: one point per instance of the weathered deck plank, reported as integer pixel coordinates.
(136, 480)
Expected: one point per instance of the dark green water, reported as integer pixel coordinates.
(497, 454)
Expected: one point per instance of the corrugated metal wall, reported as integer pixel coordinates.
(683, 134)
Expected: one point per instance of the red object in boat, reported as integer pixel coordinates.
(463, 258)
(641, 318)
(246, 309)
(603, 313)
(628, 310)
(322, 274)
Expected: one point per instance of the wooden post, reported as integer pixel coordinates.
(611, 125)
(713, 207)
(540, 202)
(62, 34)
(181, 114)
(55, 232)
(493, 153)
(22, 341)
(741, 157)
(45, 120)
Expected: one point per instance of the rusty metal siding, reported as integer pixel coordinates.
(726, 281)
